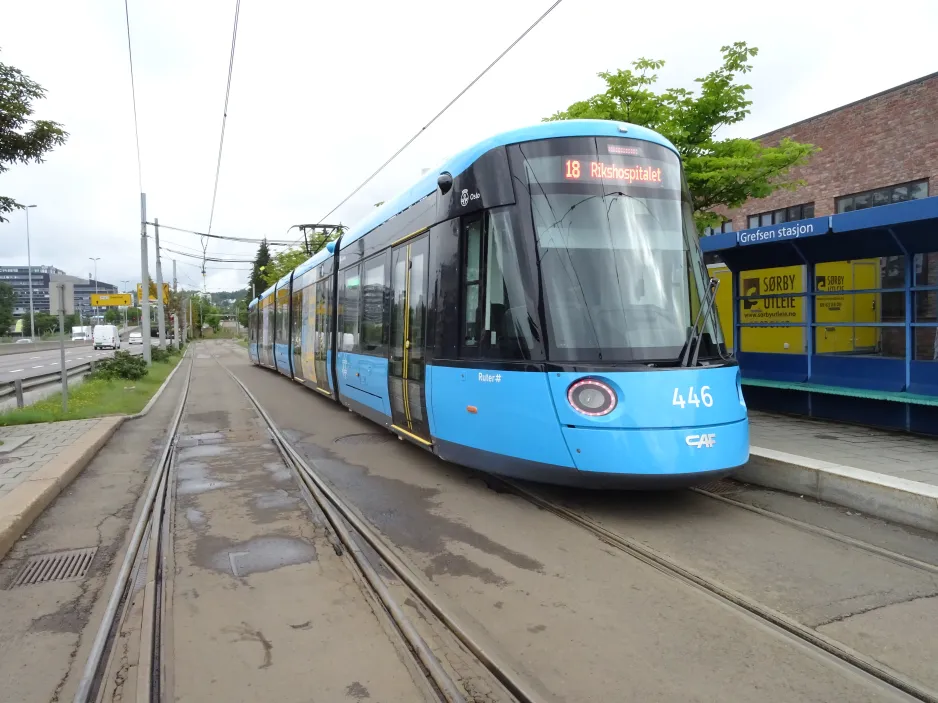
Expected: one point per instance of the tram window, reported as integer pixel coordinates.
(349, 297)
(376, 295)
(473, 282)
(507, 326)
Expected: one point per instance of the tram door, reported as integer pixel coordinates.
(407, 368)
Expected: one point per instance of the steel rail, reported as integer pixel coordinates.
(160, 469)
(665, 564)
(823, 531)
(332, 503)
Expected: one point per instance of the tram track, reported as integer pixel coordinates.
(896, 557)
(143, 610)
(349, 528)
(152, 536)
(818, 641)
(144, 551)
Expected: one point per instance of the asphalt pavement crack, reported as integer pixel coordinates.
(872, 608)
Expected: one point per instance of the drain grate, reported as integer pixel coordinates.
(58, 566)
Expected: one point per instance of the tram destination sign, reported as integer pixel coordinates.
(592, 169)
(799, 229)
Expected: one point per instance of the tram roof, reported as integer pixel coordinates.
(455, 165)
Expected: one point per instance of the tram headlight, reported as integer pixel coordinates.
(591, 397)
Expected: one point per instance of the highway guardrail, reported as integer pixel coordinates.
(18, 386)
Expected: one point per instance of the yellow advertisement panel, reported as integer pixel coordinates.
(835, 306)
(784, 309)
(152, 297)
(108, 299)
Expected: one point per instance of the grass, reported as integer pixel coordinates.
(95, 399)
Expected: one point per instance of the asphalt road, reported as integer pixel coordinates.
(28, 365)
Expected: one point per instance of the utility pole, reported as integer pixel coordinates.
(160, 311)
(29, 275)
(144, 281)
(62, 287)
(174, 275)
(191, 320)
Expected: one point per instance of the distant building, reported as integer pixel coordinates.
(18, 277)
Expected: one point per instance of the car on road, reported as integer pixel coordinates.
(24, 340)
(136, 338)
(106, 336)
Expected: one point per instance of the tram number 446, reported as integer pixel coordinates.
(693, 398)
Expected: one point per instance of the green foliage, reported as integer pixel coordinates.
(6, 307)
(719, 172)
(113, 316)
(282, 263)
(261, 262)
(45, 323)
(22, 140)
(124, 365)
(160, 356)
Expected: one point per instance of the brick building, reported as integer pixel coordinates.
(881, 149)
(875, 151)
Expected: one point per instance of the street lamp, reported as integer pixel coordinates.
(95, 259)
(29, 273)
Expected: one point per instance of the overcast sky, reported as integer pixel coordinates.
(324, 92)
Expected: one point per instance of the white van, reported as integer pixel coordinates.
(106, 337)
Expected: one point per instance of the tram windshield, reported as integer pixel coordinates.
(622, 273)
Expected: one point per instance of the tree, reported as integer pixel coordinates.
(719, 172)
(112, 315)
(6, 307)
(257, 283)
(22, 140)
(282, 263)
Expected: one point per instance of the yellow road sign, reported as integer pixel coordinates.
(153, 292)
(104, 300)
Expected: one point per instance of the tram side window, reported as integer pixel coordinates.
(473, 283)
(497, 322)
(349, 307)
(376, 298)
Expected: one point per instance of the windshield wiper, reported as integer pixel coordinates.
(696, 336)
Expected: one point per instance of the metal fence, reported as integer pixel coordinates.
(21, 385)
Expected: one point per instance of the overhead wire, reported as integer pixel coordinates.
(439, 114)
(133, 95)
(224, 121)
(248, 240)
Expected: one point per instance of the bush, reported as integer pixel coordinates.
(122, 365)
(158, 355)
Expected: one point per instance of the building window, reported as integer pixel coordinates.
(727, 226)
(883, 196)
(785, 214)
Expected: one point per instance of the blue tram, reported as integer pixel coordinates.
(537, 308)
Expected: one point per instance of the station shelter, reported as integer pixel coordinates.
(835, 317)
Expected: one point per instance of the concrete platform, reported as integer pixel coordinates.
(37, 471)
(884, 474)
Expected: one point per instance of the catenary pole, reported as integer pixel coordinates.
(144, 281)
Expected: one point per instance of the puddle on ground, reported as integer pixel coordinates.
(195, 486)
(203, 450)
(406, 514)
(278, 471)
(194, 478)
(275, 499)
(254, 556)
